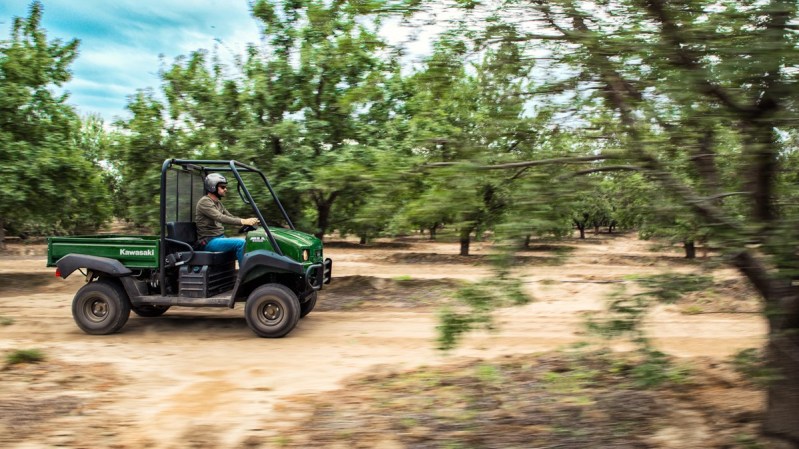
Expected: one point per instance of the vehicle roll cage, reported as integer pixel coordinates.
(204, 167)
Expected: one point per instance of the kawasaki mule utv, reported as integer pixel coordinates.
(278, 280)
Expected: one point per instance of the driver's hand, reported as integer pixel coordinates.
(249, 221)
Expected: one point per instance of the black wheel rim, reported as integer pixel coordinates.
(270, 313)
(96, 309)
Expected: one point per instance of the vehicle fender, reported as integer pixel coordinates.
(265, 258)
(111, 267)
(256, 260)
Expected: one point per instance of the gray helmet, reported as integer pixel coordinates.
(213, 180)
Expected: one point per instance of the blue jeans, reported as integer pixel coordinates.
(223, 244)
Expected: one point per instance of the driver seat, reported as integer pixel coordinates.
(186, 231)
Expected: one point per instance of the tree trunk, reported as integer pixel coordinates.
(323, 206)
(2, 234)
(433, 232)
(465, 241)
(580, 226)
(363, 240)
(322, 219)
(527, 240)
(782, 351)
(690, 249)
(782, 412)
(782, 358)
(277, 146)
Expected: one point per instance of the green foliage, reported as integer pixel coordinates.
(480, 299)
(749, 442)
(138, 159)
(669, 287)
(655, 368)
(58, 182)
(751, 363)
(570, 381)
(625, 312)
(24, 356)
(623, 315)
(308, 105)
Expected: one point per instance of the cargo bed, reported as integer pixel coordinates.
(133, 251)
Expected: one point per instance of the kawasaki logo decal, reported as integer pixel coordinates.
(136, 252)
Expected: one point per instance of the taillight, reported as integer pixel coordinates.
(58, 272)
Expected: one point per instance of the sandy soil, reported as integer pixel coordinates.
(200, 378)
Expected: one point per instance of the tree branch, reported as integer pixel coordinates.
(724, 195)
(559, 160)
(607, 169)
(685, 58)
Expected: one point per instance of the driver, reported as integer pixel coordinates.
(211, 216)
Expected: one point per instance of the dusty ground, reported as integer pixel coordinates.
(199, 378)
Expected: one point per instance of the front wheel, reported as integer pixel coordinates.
(101, 308)
(308, 305)
(272, 311)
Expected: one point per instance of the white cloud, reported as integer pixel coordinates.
(122, 41)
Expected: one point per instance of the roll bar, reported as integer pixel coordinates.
(205, 166)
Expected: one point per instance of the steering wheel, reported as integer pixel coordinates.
(247, 228)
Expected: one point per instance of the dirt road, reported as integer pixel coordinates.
(199, 378)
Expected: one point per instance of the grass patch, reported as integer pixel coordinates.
(692, 310)
(24, 356)
(6, 321)
(751, 363)
(669, 287)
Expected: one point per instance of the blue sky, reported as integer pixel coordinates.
(125, 42)
(121, 41)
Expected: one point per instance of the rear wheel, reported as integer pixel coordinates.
(149, 311)
(308, 305)
(101, 308)
(272, 311)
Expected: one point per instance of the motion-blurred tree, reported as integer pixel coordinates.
(205, 108)
(465, 110)
(322, 59)
(672, 73)
(57, 187)
(137, 158)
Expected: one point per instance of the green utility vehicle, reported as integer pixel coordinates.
(278, 280)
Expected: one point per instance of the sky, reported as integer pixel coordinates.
(122, 41)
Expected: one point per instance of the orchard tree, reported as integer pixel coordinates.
(205, 109)
(672, 73)
(39, 134)
(297, 100)
(144, 144)
(323, 61)
(463, 109)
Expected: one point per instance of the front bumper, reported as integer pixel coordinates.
(319, 274)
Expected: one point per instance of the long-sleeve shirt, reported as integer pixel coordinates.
(210, 216)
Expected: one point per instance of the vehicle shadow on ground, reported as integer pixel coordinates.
(185, 323)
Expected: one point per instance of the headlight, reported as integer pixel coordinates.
(306, 254)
